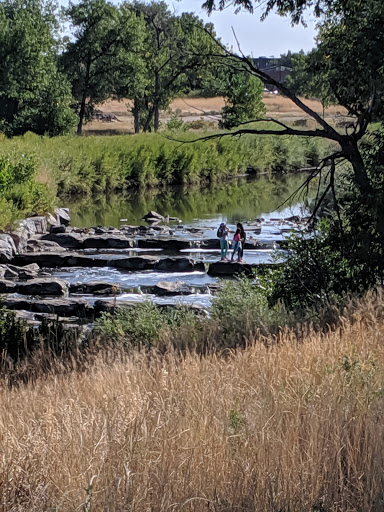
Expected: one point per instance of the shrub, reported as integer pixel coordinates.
(144, 324)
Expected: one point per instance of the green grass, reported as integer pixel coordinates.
(89, 165)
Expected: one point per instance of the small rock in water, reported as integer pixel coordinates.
(152, 216)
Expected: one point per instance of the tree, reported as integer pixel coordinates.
(93, 60)
(243, 98)
(34, 95)
(174, 56)
(308, 80)
(349, 56)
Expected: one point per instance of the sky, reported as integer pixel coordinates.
(271, 37)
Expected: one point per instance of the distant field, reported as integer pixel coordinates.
(207, 108)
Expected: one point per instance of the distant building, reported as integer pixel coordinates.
(272, 67)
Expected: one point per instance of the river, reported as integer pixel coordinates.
(243, 199)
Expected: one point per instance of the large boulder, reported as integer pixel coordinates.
(169, 288)
(180, 265)
(152, 216)
(136, 263)
(62, 215)
(43, 286)
(7, 248)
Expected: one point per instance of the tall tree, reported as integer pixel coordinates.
(34, 95)
(92, 60)
(174, 55)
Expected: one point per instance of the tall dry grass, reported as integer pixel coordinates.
(280, 426)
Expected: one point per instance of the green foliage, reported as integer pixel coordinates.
(243, 97)
(241, 309)
(19, 341)
(99, 164)
(33, 94)
(144, 324)
(175, 123)
(100, 52)
(344, 255)
(20, 194)
(308, 80)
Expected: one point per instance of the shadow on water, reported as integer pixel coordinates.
(239, 199)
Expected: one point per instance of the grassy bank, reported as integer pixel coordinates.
(280, 426)
(98, 164)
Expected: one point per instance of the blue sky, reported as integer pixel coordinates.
(268, 38)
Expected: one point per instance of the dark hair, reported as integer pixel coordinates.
(242, 230)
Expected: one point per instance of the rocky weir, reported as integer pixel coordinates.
(49, 268)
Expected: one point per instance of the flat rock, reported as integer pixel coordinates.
(7, 286)
(37, 245)
(180, 265)
(61, 307)
(42, 259)
(43, 286)
(57, 229)
(222, 268)
(171, 288)
(171, 244)
(69, 240)
(76, 260)
(106, 241)
(136, 263)
(95, 287)
(27, 272)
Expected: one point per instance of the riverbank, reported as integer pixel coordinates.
(90, 165)
(285, 424)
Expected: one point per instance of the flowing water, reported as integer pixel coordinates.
(200, 211)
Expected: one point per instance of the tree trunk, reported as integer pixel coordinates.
(156, 101)
(84, 97)
(147, 125)
(136, 115)
(81, 114)
(364, 185)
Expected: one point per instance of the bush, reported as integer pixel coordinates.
(144, 325)
(20, 194)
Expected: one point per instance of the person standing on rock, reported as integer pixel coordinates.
(243, 237)
(236, 245)
(222, 233)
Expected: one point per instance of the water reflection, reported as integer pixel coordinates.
(239, 199)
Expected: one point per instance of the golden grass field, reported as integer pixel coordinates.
(208, 108)
(278, 427)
